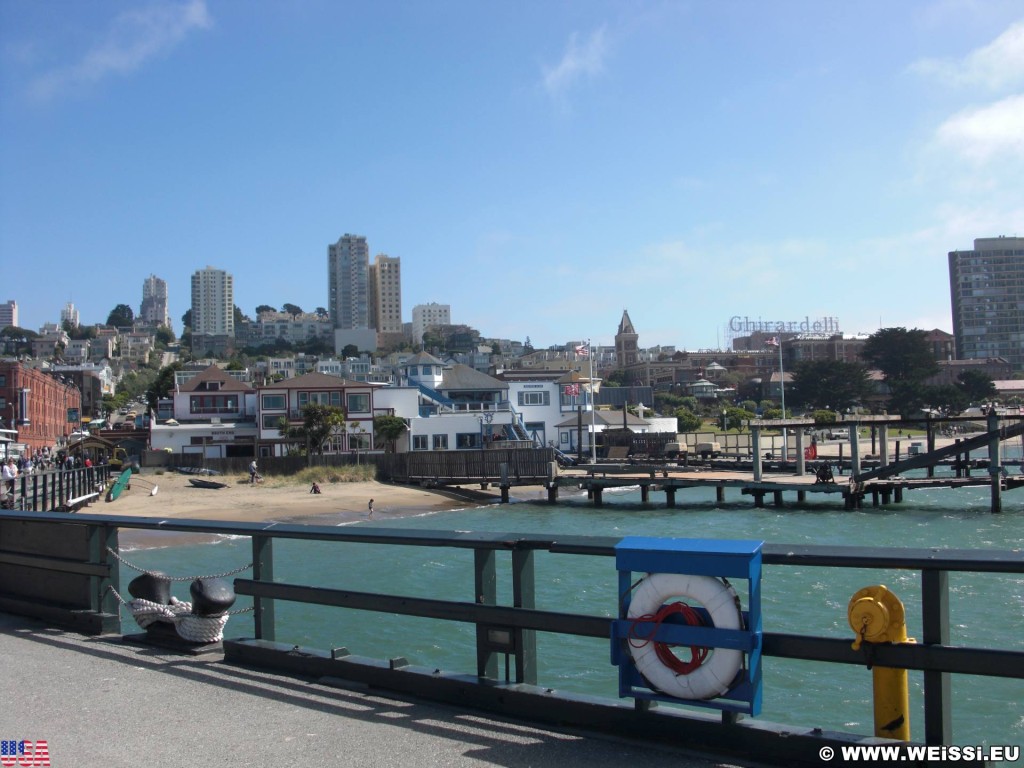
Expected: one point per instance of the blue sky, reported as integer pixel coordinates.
(539, 166)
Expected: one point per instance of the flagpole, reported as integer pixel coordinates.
(593, 407)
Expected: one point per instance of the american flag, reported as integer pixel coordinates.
(24, 753)
(772, 342)
(572, 390)
(583, 350)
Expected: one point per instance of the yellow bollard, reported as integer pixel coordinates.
(876, 615)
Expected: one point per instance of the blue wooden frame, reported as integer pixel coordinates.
(738, 559)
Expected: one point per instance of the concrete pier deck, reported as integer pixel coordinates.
(99, 701)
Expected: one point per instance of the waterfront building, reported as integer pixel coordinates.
(286, 399)
(996, 368)
(213, 414)
(425, 316)
(153, 310)
(986, 287)
(348, 282)
(34, 407)
(213, 312)
(8, 314)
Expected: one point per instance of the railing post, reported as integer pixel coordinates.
(263, 571)
(938, 699)
(101, 599)
(486, 590)
(524, 596)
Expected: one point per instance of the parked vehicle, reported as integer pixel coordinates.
(675, 450)
(708, 450)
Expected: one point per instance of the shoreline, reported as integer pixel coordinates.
(276, 500)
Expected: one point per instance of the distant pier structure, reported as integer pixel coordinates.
(796, 473)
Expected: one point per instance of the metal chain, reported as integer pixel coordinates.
(176, 578)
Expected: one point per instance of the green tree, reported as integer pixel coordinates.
(350, 350)
(900, 355)
(292, 309)
(264, 308)
(186, 320)
(949, 399)
(906, 362)
(319, 422)
(829, 383)
(162, 384)
(121, 316)
(164, 335)
(687, 420)
(388, 429)
(322, 313)
(977, 386)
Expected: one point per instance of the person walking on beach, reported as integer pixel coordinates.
(252, 472)
(371, 508)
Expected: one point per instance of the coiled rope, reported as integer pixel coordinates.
(195, 629)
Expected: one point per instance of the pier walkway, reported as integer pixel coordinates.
(99, 701)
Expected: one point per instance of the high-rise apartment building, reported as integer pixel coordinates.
(426, 315)
(386, 294)
(9, 313)
(348, 282)
(213, 303)
(153, 310)
(986, 289)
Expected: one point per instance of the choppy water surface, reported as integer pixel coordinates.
(986, 610)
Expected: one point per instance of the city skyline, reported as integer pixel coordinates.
(566, 162)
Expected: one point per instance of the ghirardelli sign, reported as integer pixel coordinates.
(746, 324)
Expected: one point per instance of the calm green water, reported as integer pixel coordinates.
(986, 610)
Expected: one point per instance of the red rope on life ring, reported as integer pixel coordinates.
(664, 651)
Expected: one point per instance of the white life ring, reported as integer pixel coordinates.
(713, 677)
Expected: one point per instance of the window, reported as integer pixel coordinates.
(440, 442)
(270, 420)
(274, 402)
(419, 442)
(466, 440)
(535, 398)
(359, 403)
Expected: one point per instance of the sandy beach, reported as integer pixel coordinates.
(279, 499)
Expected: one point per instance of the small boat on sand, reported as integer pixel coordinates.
(200, 483)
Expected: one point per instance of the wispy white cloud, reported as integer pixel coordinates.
(134, 37)
(983, 134)
(996, 66)
(582, 59)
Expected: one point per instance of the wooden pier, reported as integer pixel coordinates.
(659, 479)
